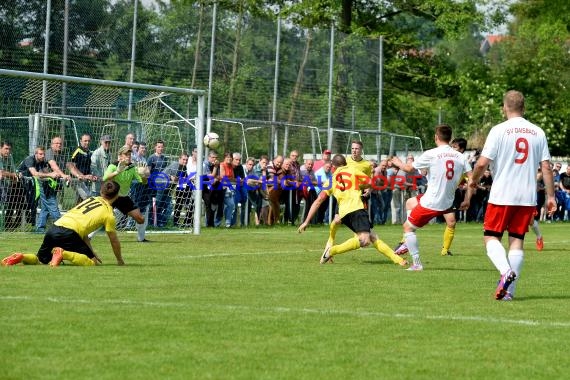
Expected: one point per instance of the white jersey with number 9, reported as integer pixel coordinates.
(516, 148)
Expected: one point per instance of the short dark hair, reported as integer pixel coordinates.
(444, 132)
(5, 143)
(109, 189)
(460, 142)
(357, 142)
(338, 160)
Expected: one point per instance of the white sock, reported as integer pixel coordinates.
(498, 256)
(516, 259)
(536, 230)
(141, 228)
(412, 244)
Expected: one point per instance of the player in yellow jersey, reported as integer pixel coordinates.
(359, 163)
(347, 189)
(67, 238)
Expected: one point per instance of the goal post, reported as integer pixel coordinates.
(67, 106)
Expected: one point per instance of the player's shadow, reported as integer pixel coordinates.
(543, 297)
(455, 269)
(377, 262)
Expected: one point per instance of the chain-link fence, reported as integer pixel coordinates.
(262, 68)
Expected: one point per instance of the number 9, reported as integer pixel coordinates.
(521, 147)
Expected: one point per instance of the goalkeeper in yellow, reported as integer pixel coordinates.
(67, 239)
(347, 189)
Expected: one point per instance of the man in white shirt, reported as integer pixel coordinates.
(514, 149)
(445, 168)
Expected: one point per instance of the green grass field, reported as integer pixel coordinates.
(256, 304)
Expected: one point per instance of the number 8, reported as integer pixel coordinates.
(449, 169)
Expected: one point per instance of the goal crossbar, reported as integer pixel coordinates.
(100, 82)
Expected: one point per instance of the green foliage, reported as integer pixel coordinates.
(534, 60)
(431, 57)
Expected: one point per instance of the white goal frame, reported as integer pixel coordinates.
(199, 121)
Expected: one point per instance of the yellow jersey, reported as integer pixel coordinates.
(363, 165)
(89, 216)
(346, 189)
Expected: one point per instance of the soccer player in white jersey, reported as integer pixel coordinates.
(446, 167)
(514, 149)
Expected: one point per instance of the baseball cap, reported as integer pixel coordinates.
(327, 151)
(125, 150)
(106, 138)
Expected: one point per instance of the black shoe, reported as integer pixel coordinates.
(144, 241)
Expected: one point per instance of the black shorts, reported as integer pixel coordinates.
(65, 238)
(357, 221)
(124, 205)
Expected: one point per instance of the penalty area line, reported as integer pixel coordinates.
(289, 310)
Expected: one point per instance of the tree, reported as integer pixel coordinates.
(536, 61)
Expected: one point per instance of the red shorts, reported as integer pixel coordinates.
(420, 216)
(514, 219)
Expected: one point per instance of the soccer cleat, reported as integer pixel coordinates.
(13, 259)
(403, 263)
(401, 249)
(144, 241)
(504, 283)
(326, 257)
(507, 297)
(416, 268)
(445, 252)
(539, 244)
(56, 256)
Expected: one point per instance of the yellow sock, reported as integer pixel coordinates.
(448, 235)
(387, 251)
(349, 245)
(77, 258)
(30, 259)
(333, 227)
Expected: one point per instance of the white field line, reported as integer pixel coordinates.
(289, 310)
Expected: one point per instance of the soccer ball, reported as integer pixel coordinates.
(212, 140)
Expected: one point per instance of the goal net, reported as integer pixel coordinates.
(254, 138)
(376, 145)
(43, 107)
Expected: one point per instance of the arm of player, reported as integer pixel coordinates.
(548, 178)
(396, 162)
(116, 247)
(88, 242)
(323, 196)
(468, 194)
(478, 170)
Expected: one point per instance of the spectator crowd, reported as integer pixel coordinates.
(236, 191)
